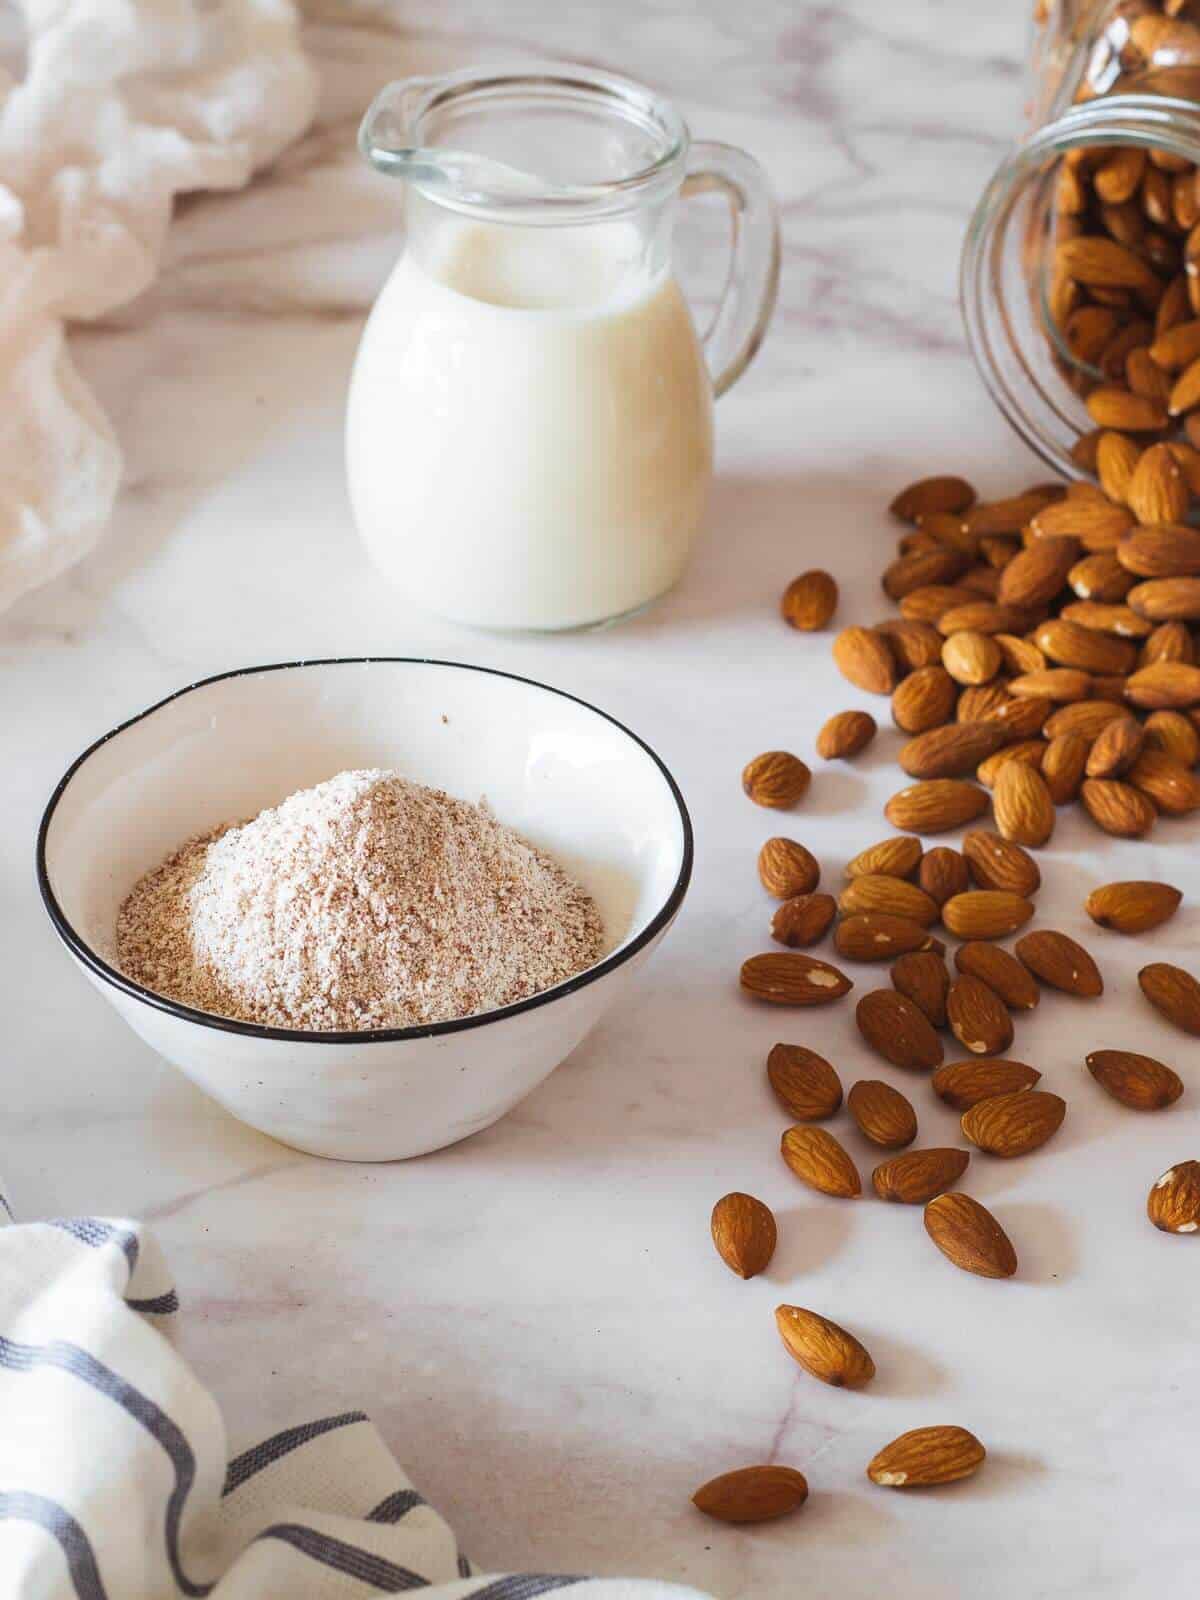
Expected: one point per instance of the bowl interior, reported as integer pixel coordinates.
(561, 773)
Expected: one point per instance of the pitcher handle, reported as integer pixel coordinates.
(748, 298)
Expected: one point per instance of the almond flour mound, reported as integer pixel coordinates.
(367, 902)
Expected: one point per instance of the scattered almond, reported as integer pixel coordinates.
(1061, 962)
(1133, 907)
(1174, 1201)
(1116, 749)
(968, 1235)
(951, 751)
(936, 805)
(865, 659)
(787, 868)
(897, 857)
(962, 1084)
(817, 1158)
(1063, 767)
(916, 1176)
(922, 976)
(744, 1232)
(986, 913)
(943, 873)
(929, 495)
(1173, 992)
(1140, 1082)
(752, 1494)
(793, 979)
(882, 1113)
(1117, 807)
(1002, 973)
(896, 897)
(776, 779)
(898, 1030)
(1166, 782)
(925, 1456)
(878, 936)
(803, 920)
(978, 1017)
(1024, 810)
(846, 734)
(824, 1348)
(805, 1084)
(1009, 1125)
(1000, 864)
(809, 601)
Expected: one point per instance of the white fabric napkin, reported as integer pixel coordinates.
(123, 105)
(115, 1481)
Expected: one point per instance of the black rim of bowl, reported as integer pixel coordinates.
(255, 1030)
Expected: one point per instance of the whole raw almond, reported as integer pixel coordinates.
(917, 644)
(752, 1494)
(898, 1030)
(952, 751)
(1170, 550)
(803, 920)
(1127, 413)
(1117, 807)
(1063, 767)
(933, 601)
(805, 1084)
(1100, 577)
(916, 1176)
(978, 1017)
(793, 979)
(1000, 864)
(1133, 907)
(1085, 718)
(936, 805)
(744, 1233)
(971, 657)
(787, 868)
(938, 563)
(1036, 575)
(942, 493)
(963, 1084)
(776, 779)
(1171, 732)
(1116, 749)
(1164, 686)
(1116, 459)
(1174, 1202)
(882, 1113)
(924, 700)
(816, 1157)
(1009, 515)
(1120, 620)
(1166, 600)
(1061, 962)
(1096, 522)
(1168, 783)
(923, 977)
(925, 1456)
(983, 616)
(880, 936)
(1002, 973)
(1021, 801)
(894, 896)
(981, 702)
(865, 659)
(1169, 641)
(1140, 1082)
(1021, 718)
(1009, 1125)
(846, 734)
(1020, 656)
(1158, 491)
(1060, 684)
(1071, 645)
(824, 1348)
(968, 1235)
(1101, 262)
(943, 873)
(1174, 992)
(986, 913)
(897, 857)
(809, 601)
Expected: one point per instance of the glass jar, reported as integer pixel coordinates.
(1084, 251)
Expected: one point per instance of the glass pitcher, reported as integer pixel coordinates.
(529, 432)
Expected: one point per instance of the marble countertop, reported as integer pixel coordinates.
(536, 1319)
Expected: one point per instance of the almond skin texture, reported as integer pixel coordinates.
(823, 1348)
(968, 1235)
(1060, 684)
(882, 1113)
(846, 734)
(894, 896)
(878, 936)
(1063, 767)
(1084, 717)
(1101, 577)
(916, 644)
(1030, 751)
(943, 874)
(1000, 864)
(817, 1158)
(928, 496)
(744, 1233)
(971, 657)
(986, 914)
(936, 806)
(776, 779)
(792, 979)
(978, 1017)
(938, 563)
(1163, 551)
(1061, 962)
(927, 1456)
(924, 700)
(1173, 733)
(1117, 807)
(952, 751)
(963, 1084)
(1166, 599)
(897, 857)
(898, 1030)
(752, 1494)
(1117, 748)
(1002, 973)
(803, 920)
(1011, 1125)
(865, 659)
(786, 868)
(1133, 907)
(1140, 1082)
(1037, 574)
(915, 1177)
(805, 1084)
(1174, 1202)
(1164, 781)
(1164, 686)
(1024, 810)
(809, 601)
(923, 977)
(1174, 993)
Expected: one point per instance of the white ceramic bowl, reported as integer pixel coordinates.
(567, 776)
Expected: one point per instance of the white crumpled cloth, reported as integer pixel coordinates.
(124, 104)
(115, 1480)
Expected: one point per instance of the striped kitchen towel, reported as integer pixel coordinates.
(115, 1481)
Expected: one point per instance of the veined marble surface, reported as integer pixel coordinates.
(536, 1319)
